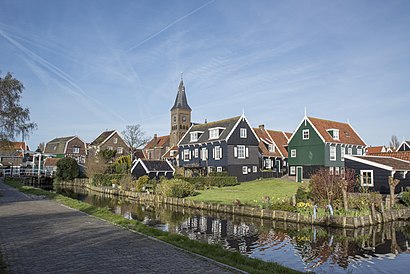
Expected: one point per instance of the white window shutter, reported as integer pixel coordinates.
(206, 153)
(220, 152)
(235, 152)
(213, 152)
(190, 152)
(247, 152)
(200, 154)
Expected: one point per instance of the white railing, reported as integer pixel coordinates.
(18, 171)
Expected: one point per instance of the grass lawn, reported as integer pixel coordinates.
(249, 192)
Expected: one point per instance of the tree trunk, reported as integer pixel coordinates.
(345, 201)
(392, 184)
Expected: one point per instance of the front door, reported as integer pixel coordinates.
(299, 174)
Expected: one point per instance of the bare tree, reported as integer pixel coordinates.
(394, 142)
(134, 136)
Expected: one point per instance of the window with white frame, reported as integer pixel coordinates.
(292, 170)
(115, 140)
(271, 148)
(187, 153)
(109, 148)
(337, 170)
(332, 152)
(194, 136)
(243, 133)
(359, 151)
(196, 152)
(244, 170)
(336, 134)
(268, 163)
(293, 153)
(305, 134)
(120, 150)
(213, 133)
(366, 177)
(331, 170)
(217, 153)
(241, 152)
(218, 169)
(76, 150)
(255, 169)
(204, 153)
(342, 153)
(349, 151)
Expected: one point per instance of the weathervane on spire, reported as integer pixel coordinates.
(182, 75)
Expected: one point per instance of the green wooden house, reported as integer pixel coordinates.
(318, 143)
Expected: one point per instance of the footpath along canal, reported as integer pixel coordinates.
(383, 248)
(42, 236)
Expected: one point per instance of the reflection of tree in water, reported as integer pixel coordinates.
(316, 246)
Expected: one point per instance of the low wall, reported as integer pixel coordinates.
(334, 221)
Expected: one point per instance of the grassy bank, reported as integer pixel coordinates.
(249, 193)
(215, 252)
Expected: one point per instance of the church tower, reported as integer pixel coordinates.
(180, 116)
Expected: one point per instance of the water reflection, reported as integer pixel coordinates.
(376, 249)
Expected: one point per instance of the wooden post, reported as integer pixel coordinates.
(392, 184)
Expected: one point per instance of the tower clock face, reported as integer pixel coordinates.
(183, 118)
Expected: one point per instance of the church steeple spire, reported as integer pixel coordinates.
(181, 102)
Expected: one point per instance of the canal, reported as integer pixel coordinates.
(376, 249)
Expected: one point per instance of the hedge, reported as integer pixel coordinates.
(202, 182)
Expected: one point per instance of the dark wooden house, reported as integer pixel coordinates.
(152, 168)
(374, 172)
(405, 146)
(229, 145)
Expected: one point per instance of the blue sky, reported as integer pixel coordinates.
(89, 66)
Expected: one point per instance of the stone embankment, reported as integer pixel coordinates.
(279, 215)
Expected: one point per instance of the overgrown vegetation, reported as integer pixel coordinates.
(213, 180)
(216, 252)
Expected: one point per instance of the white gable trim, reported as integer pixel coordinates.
(236, 125)
(365, 144)
(142, 163)
(368, 162)
(66, 144)
(404, 143)
(277, 148)
(306, 119)
(188, 131)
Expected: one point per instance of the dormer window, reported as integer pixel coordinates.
(271, 148)
(195, 135)
(334, 133)
(115, 140)
(214, 133)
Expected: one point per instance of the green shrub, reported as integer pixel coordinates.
(303, 194)
(67, 169)
(175, 188)
(141, 182)
(405, 196)
(218, 174)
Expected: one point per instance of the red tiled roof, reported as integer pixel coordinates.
(281, 140)
(265, 138)
(51, 161)
(347, 135)
(161, 141)
(139, 154)
(403, 155)
(395, 163)
(167, 155)
(376, 149)
(5, 145)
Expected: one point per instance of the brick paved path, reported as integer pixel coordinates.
(42, 236)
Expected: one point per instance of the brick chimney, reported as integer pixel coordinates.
(262, 127)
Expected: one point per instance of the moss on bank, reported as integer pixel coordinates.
(215, 252)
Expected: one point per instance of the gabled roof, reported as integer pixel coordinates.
(264, 140)
(12, 148)
(405, 144)
(58, 145)
(347, 135)
(102, 138)
(281, 140)
(160, 141)
(154, 165)
(388, 163)
(180, 101)
(227, 126)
